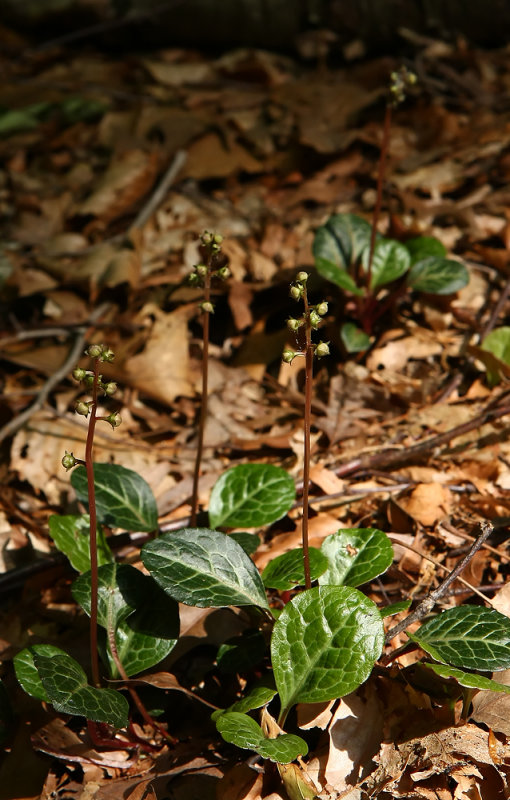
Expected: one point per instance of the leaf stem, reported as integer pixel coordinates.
(307, 435)
(205, 381)
(380, 179)
(89, 466)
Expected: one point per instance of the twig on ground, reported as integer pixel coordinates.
(54, 379)
(426, 605)
(160, 191)
(496, 311)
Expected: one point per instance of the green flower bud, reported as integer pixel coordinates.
(82, 408)
(218, 238)
(193, 279)
(296, 292)
(223, 273)
(314, 318)
(79, 374)
(322, 308)
(94, 351)
(107, 355)
(110, 388)
(68, 461)
(322, 349)
(114, 419)
(294, 324)
(201, 270)
(206, 237)
(288, 356)
(89, 379)
(302, 277)
(207, 307)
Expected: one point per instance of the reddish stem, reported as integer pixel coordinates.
(89, 466)
(307, 436)
(380, 180)
(203, 406)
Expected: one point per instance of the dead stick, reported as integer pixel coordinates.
(54, 379)
(426, 605)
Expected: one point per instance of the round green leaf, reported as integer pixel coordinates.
(251, 495)
(354, 339)
(355, 555)
(123, 498)
(258, 697)
(324, 645)
(72, 537)
(243, 731)
(424, 246)
(338, 245)
(287, 571)
(204, 568)
(438, 276)
(26, 671)
(468, 679)
(127, 600)
(65, 684)
(390, 261)
(472, 637)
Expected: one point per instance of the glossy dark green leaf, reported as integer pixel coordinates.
(259, 696)
(248, 541)
(65, 684)
(324, 645)
(123, 498)
(71, 536)
(468, 679)
(472, 637)
(353, 338)
(251, 495)
(287, 571)
(241, 653)
(424, 247)
(355, 555)
(337, 275)
(243, 731)
(144, 618)
(338, 245)
(437, 276)
(390, 261)
(395, 608)
(205, 568)
(26, 671)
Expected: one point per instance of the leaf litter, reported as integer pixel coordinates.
(412, 437)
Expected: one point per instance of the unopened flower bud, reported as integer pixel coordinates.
(68, 461)
(322, 308)
(223, 273)
(89, 379)
(206, 237)
(82, 408)
(201, 270)
(294, 324)
(314, 318)
(322, 349)
(79, 374)
(296, 292)
(288, 356)
(302, 277)
(94, 350)
(114, 419)
(107, 354)
(110, 388)
(193, 279)
(207, 307)
(218, 238)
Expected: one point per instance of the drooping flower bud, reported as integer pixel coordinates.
(314, 318)
(322, 349)
(114, 419)
(296, 291)
(288, 356)
(110, 388)
(94, 350)
(294, 324)
(68, 461)
(223, 273)
(322, 308)
(207, 307)
(82, 408)
(302, 277)
(79, 374)
(201, 270)
(107, 354)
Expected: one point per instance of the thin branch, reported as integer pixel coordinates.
(160, 192)
(54, 379)
(94, 581)
(307, 421)
(426, 605)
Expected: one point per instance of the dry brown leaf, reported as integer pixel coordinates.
(428, 503)
(211, 157)
(128, 178)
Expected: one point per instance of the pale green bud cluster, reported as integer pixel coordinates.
(400, 81)
(315, 315)
(101, 352)
(211, 242)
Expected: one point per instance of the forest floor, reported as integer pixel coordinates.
(409, 437)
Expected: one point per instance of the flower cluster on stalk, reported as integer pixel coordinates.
(312, 316)
(100, 353)
(213, 266)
